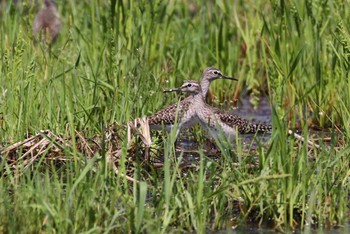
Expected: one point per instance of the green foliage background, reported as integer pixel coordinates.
(110, 63)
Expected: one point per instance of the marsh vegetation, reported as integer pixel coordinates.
(78, 172)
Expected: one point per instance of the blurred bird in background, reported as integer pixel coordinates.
(47, 23)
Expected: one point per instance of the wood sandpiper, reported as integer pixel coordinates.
(183, 111)
(214, 120)
(218, 122)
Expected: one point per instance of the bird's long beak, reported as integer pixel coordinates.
(228, 77)
(171, 90)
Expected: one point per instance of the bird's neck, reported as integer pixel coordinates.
(199, 99)
(205, 87)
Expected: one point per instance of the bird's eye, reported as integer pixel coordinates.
(189, 85)
(215, 72)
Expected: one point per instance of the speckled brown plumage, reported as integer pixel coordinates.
(214, 117)
(244, 126)
(217, 121)
(167, 116)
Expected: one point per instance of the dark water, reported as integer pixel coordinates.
(260, 114)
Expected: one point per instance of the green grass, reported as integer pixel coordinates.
(110, 64)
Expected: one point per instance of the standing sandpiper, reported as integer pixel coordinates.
(217, 121)
(183, 110)
(214, 120)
